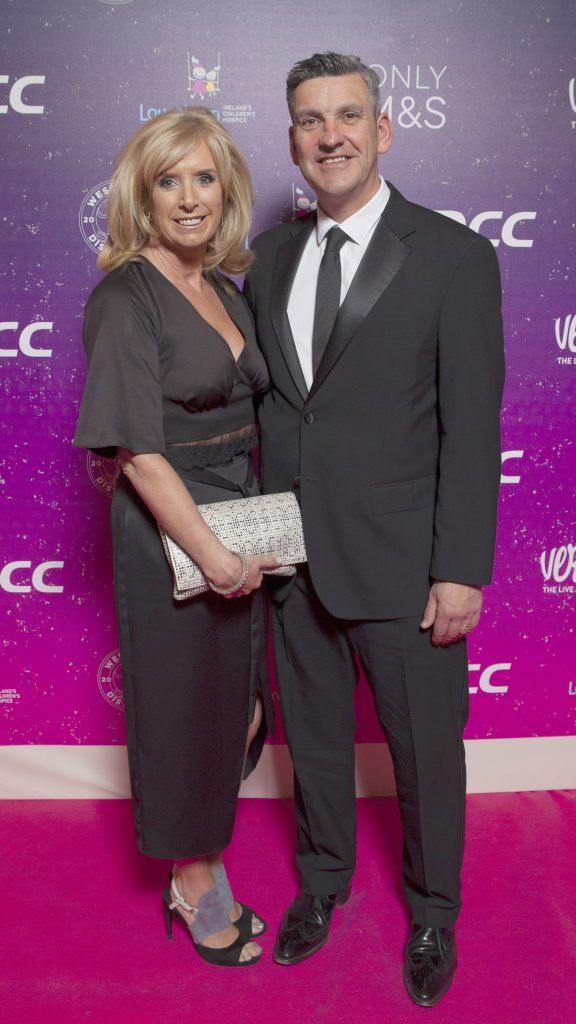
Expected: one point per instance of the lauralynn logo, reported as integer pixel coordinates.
(110, 680)
(92, 217)
(565, 334)
(115, 3)
(301, 202)
(572, 98)
(203, 85)
(411, 94)
(103, 473)
(559, 569)
(203, 82)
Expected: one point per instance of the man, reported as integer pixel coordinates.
(380, 321)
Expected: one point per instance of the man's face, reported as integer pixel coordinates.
(335, 141)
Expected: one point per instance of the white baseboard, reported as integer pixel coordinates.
(101, 772)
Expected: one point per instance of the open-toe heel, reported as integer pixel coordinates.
(244, 924)
(210, 917)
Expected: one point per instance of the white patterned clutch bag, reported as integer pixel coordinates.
(266, 524)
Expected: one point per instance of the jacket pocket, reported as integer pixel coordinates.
(402, 497)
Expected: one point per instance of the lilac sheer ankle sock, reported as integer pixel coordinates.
(223, 886)
(211, 915)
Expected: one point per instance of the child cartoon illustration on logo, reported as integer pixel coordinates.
(200, 81)
(301, 204)
(198, 86)
(212, 79)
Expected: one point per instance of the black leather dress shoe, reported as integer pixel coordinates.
(429, 963)
(305, 925)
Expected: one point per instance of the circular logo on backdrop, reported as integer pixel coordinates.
(110, 680)
(115, 3)
(103, 473)
(92, 217)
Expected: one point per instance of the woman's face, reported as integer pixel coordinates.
(186, 202)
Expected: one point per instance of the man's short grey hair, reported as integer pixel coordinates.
(320, 65)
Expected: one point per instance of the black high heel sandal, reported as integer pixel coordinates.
(210, 917)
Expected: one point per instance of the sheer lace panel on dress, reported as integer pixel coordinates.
(211, 450)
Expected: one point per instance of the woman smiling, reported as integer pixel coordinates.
(173, 371)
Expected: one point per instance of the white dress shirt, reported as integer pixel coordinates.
(360, 227)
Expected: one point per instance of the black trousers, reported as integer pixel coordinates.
(421, 698)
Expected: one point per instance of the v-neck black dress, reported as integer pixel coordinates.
(159, 377)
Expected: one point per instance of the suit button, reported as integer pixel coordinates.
(309, 417)
(296, 481)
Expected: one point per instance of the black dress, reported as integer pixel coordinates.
(159, 378)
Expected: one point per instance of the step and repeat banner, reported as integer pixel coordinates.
(483, 103)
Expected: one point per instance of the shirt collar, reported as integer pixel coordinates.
(360, 223)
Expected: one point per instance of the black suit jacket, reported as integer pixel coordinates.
(396, 447)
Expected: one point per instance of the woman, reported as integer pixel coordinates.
(173, 370)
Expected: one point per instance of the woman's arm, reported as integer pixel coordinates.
(163, 492)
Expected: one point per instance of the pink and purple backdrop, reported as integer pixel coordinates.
(483, 103)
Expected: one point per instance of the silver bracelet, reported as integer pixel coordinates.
(224, 591)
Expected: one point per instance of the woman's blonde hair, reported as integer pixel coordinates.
(157, 146)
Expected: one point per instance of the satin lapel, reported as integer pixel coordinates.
(287, 260)
(379, 266)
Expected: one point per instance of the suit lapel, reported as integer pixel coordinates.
(286, 264)
(380, 264)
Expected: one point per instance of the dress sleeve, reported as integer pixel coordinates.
(122, 401)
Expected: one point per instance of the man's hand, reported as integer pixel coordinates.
(453, 609)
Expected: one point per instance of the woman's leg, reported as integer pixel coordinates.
(255, 723)
(194, 878)
(215, 859)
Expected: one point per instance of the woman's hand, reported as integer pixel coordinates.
(233, 572)
(162, 490)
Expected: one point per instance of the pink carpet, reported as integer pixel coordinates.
(82, 936)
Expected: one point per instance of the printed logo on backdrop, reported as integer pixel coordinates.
(110, 680)
(103, 473)
(507, 225)
(486, 680)
(411, 94)
(565, 334)
(513, 456)
(92, 217)
(203, 83)
(115, 3)
(572, 98)
(203, 86)
(236, 113)
(21, 340)
(148, 113)
(18, 577)
(9, 695)
(301, 202)
(17, 101)
(558, 567)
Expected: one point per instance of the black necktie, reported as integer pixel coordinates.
(327, 294)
